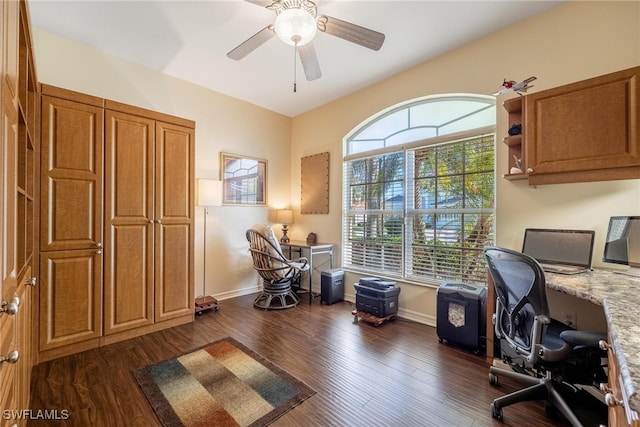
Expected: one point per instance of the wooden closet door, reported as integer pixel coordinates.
(174, 294)
(129, 218)
(71, 237)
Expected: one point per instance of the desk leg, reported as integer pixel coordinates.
(310, 276)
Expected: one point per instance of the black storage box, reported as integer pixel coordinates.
(461, 311)
(331, 286)
(380, 301)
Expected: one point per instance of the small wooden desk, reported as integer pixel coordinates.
(311, 250)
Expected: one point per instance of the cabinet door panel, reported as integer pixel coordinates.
(129, 228)
(8, 223)
(70, 297)
(71, 175)
(589, 125)
(173, 294)
(128, 280)
(174, 174)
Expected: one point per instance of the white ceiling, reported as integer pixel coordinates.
(190, 39)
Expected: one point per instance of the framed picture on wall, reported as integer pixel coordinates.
(244, 180)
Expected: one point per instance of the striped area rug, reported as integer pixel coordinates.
(220, 384)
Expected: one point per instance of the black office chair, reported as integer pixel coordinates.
(544, 354)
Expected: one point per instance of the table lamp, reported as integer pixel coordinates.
(284, 217)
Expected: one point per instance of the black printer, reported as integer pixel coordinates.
(377, 296)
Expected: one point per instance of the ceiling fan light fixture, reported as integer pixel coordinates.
(295, 26)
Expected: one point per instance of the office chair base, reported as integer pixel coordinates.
(276, 296)
(538, 389)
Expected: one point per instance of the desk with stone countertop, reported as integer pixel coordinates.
(619, 295)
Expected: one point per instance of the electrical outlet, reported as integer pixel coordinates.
(569, 318)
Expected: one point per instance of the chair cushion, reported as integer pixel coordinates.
(268, 232)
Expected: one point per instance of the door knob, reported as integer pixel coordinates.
(31, 282)
(12, 357)
(10, 307)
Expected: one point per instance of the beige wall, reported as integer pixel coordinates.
(575, 41)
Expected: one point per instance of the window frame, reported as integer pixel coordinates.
(405, 210)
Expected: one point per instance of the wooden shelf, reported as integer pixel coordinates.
(513, 105)
(514, 108)
(515, 176)
(513, 140)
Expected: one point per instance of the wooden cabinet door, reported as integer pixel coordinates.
(129, 218)
(9, 339)
(586, 126)
(71, 175)
(174, 293)
(70, 297)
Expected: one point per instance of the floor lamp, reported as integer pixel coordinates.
(209, 194)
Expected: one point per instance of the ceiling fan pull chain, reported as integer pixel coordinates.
(295, 55)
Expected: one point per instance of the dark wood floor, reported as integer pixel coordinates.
(395, 374)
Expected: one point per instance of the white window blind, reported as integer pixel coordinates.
(450, 215)
(424, 214)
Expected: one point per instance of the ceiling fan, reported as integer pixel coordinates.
(296, 24)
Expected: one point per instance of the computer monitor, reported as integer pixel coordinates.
(622, 244)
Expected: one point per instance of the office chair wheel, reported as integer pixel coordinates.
(496, 412)
(493, 379)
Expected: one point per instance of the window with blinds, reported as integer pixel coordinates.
(424, 210)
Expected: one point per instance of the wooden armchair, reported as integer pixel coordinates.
(278, 272)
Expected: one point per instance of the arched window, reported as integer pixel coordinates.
(419, 190)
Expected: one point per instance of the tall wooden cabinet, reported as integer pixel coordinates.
(148, 220)
(19, 152)
(117, 222)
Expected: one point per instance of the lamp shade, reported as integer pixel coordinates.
(284, 216)
(295, 26)
(209, 192)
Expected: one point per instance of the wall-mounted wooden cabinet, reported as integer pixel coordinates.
(584, 131)
(128, 171)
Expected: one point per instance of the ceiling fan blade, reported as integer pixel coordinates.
(252, 43)
(351, 32)
(309, 61)
(263, 3)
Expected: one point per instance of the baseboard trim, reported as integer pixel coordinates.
(237, 293)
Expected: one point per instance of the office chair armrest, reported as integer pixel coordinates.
(583, 338)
